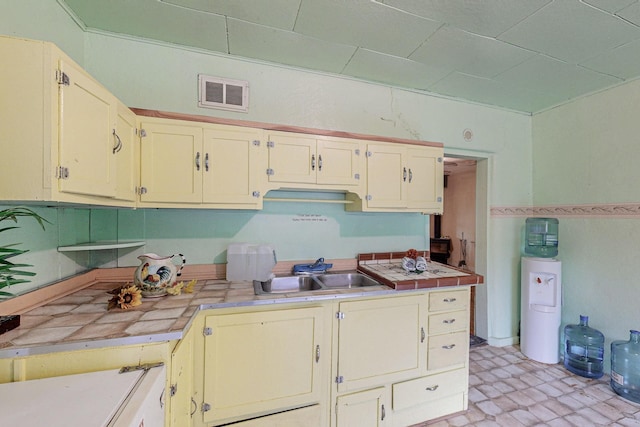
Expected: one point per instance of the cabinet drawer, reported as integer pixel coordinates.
(448, 322)
(427, 389)
(447, 350)
(450, 300)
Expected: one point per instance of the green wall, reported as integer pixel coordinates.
(158, 76)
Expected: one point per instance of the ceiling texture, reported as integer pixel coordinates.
(521, 55)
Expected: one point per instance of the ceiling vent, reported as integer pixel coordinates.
(225, 94)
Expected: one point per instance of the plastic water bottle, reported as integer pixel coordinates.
(541, 237)
(584, 349)
(625, 367)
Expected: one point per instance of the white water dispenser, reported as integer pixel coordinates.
(541, 303)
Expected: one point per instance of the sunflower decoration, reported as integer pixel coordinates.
(412, 253)
(125, 297)
(178, 288)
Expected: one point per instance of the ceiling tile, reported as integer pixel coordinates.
(486, 17)
(396, 71)
(574, 40)
(274, 13)
(487, 91)
(364, 23)
(286, 47)
(622, 62)
(560, 80)
(456, 50)
(610, 5)
(161, 22)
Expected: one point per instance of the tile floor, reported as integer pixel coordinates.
(507, 389)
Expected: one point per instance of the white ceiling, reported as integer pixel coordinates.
(523, 55)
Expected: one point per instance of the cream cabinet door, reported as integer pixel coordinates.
(87, 121)
(363, 409)
(181, 383)
(338, 162)
(171, 162)
(232, 166)
(386, 176)
(380, 341)
(262, 362)
(425, 178)
(127, 154)
(292, 158)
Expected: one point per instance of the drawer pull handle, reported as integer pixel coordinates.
(448, 321)
(432, 388)
(422, 335)
(317, 353)
(449, 300)
(448, 347)
(384, 414)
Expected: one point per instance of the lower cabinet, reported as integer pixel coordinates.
(261, 363)
(363, 409)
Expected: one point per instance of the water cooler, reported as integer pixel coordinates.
(541, 292)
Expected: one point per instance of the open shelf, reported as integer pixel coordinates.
(98, 246)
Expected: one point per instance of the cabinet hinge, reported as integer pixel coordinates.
(256, 142)
(62, 172)
(439, 159)
(206, 407)
(340, 315)
(62, 78)
(143, 367)
(356, 176)
(271, 144)
(256, 194)
(339, 379)
(439, 199)
(368, 197)
(143, 133)
(357, 151)
(368, 154)
(270, 171)
(141, 190)
(207, 331)
(173, 389)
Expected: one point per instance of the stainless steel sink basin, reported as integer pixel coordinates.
(286, 285)
(306, 283)
(346, 280)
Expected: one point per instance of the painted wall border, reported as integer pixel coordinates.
(613, 210)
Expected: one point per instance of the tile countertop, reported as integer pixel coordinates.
(80, 320)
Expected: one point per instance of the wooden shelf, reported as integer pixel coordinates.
(98, 246)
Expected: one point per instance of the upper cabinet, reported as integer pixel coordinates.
(204, 165)
(64, 124)
(299, 159)
(402, 177)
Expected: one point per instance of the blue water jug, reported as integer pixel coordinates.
(625, 367)
(541, 237)
(584, 349)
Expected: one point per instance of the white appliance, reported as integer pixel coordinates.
(250, 261)
(96, 399)
(541, 301)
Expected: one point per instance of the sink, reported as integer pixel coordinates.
(346, 280)
(306, 283)
(286, 285)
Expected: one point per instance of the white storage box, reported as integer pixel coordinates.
(250, 261)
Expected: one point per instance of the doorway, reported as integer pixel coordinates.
(463, 224)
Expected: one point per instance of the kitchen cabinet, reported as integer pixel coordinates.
(67, 141)
(181, 405)
(261, 363)
(363, 409)
(402, 177)
(298, 159)
(380, 341)
(127, 154)
(202, 165)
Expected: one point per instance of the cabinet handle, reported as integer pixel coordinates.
(118, 145)
(422, 335)
(206, 162)
(313, 162)
(198, 161)
(410, 175)
(319, 162)
(384, 414)
(448, 347)
(449, 321)
(404, 174)
(449, 300)
(432, 388)
(317, 353)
